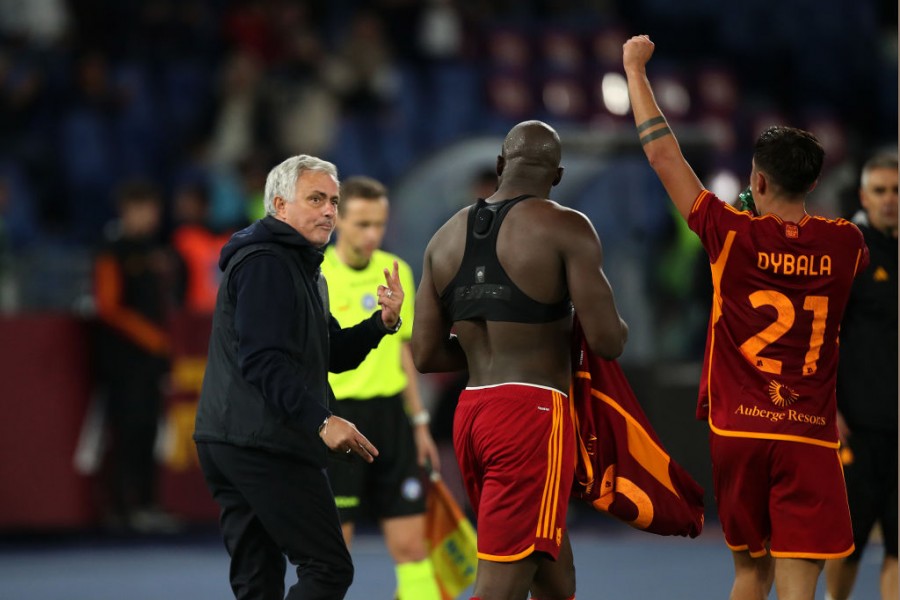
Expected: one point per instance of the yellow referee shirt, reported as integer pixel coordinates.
(352, 295)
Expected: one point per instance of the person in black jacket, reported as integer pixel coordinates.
(263, 425)
(867, 384)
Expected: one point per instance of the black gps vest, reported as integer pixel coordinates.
(481, 289)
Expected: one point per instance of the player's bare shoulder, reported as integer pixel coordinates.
(554, 223)
(444, 252)
(453, 228)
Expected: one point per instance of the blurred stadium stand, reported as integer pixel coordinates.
(418, 94)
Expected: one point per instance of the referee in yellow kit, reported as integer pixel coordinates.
(380, 396)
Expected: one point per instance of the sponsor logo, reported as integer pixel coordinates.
(368, 301)
(800, 417)
(785, 263)
(776, 416)
(781, 395)
(760, 413)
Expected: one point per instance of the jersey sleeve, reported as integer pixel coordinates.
(711, 218)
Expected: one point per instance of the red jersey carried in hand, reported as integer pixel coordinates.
(779, 292)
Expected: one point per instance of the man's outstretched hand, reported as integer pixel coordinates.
(340, 435)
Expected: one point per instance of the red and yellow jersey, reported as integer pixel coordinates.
(779, 292)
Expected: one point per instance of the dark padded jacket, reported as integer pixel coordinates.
(273, 342)
(867, 370)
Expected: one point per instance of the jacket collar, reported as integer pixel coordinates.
(286, 235)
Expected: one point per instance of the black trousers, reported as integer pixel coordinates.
(275, 506)
(872, 488)
(133, 407)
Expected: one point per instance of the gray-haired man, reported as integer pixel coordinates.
(263, 425)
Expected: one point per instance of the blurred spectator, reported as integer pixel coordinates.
(440, 30)
(23, 88)
(242, 121)
(363, 76)
(197, 247)
(361, 72)
(132, 283)
(678, 288)
(240, 118)
(250, 28)
(18, 216)
(253, 173)
(86, 147)
(41, 22)
(304, 110)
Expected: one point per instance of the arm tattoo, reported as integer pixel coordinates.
(653, 135)
(650, 123)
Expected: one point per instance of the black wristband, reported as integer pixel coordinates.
(379, 321)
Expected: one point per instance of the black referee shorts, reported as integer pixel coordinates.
(393, 485)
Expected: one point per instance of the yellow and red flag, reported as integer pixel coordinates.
(451, 541)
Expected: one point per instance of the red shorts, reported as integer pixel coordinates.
(515, 444)
(787, 495)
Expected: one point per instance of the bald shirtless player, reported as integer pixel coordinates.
(500, 279)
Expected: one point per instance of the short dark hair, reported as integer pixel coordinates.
(790, 157)
(360, 186)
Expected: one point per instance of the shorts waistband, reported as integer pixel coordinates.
(510, 383)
